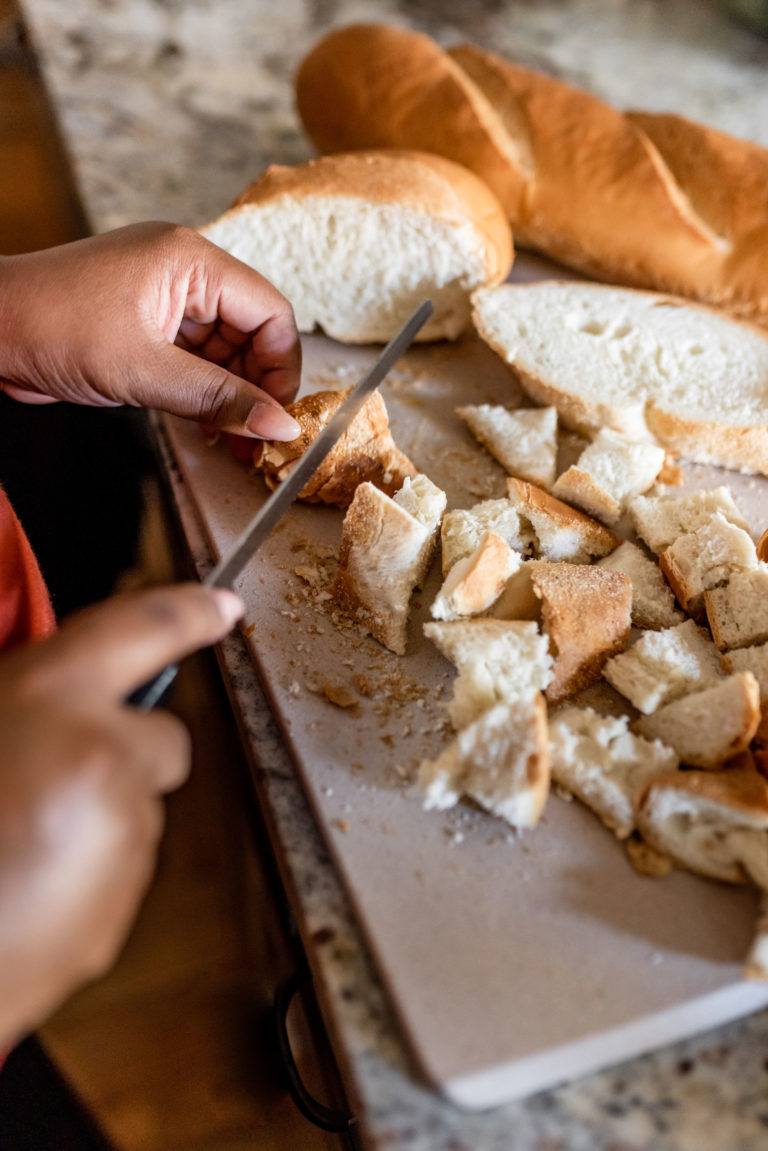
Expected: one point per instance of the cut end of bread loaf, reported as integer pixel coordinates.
(356, 241)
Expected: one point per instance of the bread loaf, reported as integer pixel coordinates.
(645, 200)
(649, 366)
(356, 241)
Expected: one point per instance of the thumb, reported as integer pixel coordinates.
(189, 386)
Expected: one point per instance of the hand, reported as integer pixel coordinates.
(150, 315)
(81, 781)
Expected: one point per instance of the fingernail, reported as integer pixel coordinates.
(230, 605)
(272, 423)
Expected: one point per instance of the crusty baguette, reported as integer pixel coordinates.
(639, 199)
(355, 241)
(365, 452)
(652, 367)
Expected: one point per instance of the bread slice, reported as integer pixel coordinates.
(713, 823)
(383, 556)
(355, 241)
(561, 533)
(653, 601)
(665, 665)
(702, 559)
(586, 615)
(738, 612)
(652, 367)
(365, 452)
(463, 529)
(524, 441)
(659, 520)
(498, 661)
(476, 582)
(709, 727)
(597, 759)
(500, 761)
(610, 472)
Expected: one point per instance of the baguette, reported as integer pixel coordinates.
(652, 367)
(639, 199)
(355, 241)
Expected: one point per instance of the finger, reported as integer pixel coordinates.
(107, 651)
(159, 746)
(183, 384)
(25, 395)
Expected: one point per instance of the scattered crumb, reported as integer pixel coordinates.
(248, 631)
(339, 694)
(341, 824)
(645, 860)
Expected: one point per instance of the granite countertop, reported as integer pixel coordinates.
(169, 108)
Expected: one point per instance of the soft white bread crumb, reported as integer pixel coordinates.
(476, 582)
(659, 520)
(665, 665)
(356, 240)
(463, 529)
(754, 659)
(426, 502)
(382, 557)
(599, 760)
(586, 615)
(650, 366)
(704, 558)
(610, 472)
(713, 823)
(738, 612)
(708, 727)
(561, 533)
(524, 441)
(653, 601)
(500, 761)
(498, 661)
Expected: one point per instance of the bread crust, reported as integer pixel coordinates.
(366, 450)
(528, 497)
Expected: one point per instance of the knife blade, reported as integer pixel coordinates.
(273, 510)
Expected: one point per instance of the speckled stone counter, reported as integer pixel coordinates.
(169, 107)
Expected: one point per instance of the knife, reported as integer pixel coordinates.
(153, 692)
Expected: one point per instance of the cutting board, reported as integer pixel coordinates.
(514, 961)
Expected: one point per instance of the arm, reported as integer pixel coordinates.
(150, 315)
(81, 783)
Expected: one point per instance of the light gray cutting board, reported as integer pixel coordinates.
(514, 962)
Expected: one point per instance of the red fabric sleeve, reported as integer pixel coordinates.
(25, 607)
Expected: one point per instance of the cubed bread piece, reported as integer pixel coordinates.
(609, 472)
(659, 520)
(476, 582)
(754, 659)
(365, 452)
(498, 661)
(665, 665)
(738, 612)
(653, 601)
(463, 529)
(382, 559)
(500, 761)
(704, 558)
(601, 762)
(524, 441)
(426, 502)
(713, 823)
(517, 600)
(709, 727)
(561, 532)
(586, 615)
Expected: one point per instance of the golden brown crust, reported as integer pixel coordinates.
(740, 787)
(417, 181)
(376, 86)
(586, 612)
(528, 496)
(366, 451)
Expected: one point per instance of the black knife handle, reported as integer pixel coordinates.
(155, 692)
